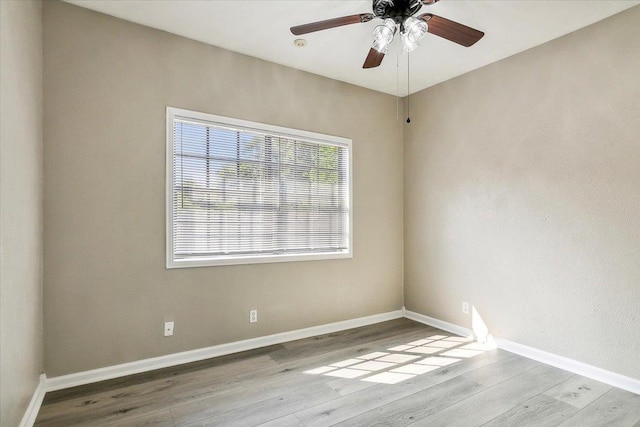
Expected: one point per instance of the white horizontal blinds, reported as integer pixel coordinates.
(313, 199)
(240, 192)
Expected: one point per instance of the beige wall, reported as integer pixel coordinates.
(107, 292)
(20, 206)
(522, 196)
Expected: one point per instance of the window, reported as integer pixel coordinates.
(240, 192)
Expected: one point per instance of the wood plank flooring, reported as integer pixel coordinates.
(397, 373)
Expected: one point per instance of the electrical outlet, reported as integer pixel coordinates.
(253, 316)
(465, 307)
(168, 329)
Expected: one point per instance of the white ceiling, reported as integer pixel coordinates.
(260, 28)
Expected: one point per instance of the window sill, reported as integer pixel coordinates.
(262, 259)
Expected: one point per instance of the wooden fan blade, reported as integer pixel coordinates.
(450, 30)
(374, 59)
(331, 23)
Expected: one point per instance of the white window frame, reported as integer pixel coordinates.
(299, 135)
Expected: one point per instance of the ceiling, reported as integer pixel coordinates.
(260, 28)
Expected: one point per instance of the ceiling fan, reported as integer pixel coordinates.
(398, 16)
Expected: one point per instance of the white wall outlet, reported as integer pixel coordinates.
(168, 329)
(465, 307)
(253, 316)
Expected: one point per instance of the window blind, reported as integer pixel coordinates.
(240, 192)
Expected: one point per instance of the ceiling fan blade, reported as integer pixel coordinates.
(331, 23)
(450, 30)
(374, 59)
(429, 2)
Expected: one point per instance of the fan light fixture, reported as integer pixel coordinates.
(412, 30)
(383, 35)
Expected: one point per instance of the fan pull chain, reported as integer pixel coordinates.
(408, 92)
(397, 86)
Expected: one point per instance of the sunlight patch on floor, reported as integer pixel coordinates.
(403, 362)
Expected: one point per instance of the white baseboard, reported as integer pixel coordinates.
(30, 415)
(570, 365)
(580, 368)
(437, 323)
(116, 371)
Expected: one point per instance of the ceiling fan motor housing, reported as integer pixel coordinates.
(398, 10)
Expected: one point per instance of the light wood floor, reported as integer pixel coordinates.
(396, 373)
